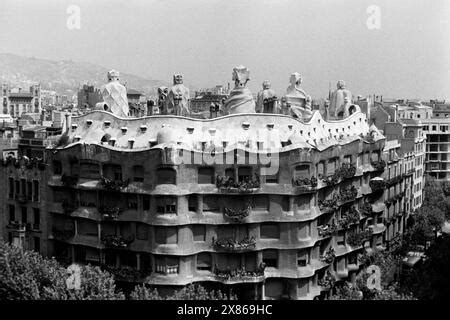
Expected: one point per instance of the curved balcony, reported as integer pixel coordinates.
(305, 185)
(356, 239)
(328, 256)
(246, 244)
(229, 185)
(377, 185)
(237, 216)
(350, 218)
(326, 230)
(240, 274)
(117, 242)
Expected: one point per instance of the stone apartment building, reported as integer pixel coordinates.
(114, 195)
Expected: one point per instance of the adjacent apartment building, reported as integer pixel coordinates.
(438, 142)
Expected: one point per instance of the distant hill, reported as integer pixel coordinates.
(64, 77)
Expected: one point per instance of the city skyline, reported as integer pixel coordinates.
(324, 41)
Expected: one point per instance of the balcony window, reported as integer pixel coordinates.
(331, 166)
(166, 205)
(340, 240)
(229, 173)
(17, 188)
(206, 175)
(321, 168)
(138, 174)
(88, 199)
(167, 264)
(12, 214)
(270, 258)
(166, 235)
(23, 184)
(112, 171)
(211, 204)
(11, 188)
(303, 230)
(166, 176)
(199, 232)
(302, 202)
(132, 202)
(24, 215)
(87, 228)
(142, 231)
(146, 202)
(57, 167)
(35, 190)
(302, 258)
(269, 231)
(301, 172)
(29, 190)
(36, 217)
(260, 203)
(271, 178)
(89, 170)
(37, 244)
(204, 261)
(244, 173)
(192, 203)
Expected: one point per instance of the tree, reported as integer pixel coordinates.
(432, 279)
(190, 292)
(389, 265)
(26, 275)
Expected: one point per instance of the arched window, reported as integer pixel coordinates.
(166, 176)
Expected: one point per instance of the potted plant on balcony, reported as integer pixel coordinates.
(329, 256)
(329, 204)
(326, 230)
(116, 241)
(237, 215)
(110, 213)
(347, 170)
(305, 183)
(113, 185)
(378, 165)
(332, 180)
(348, 194)
(327, 282)
(366, 209)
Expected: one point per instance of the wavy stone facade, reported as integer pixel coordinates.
(117, 196)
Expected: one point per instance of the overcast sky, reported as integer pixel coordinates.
(409, 56)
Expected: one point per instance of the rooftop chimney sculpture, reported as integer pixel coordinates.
(340, 100)
(240, 99)
(298, 99)
(115, 95)
(177, 101)
(267, 101)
